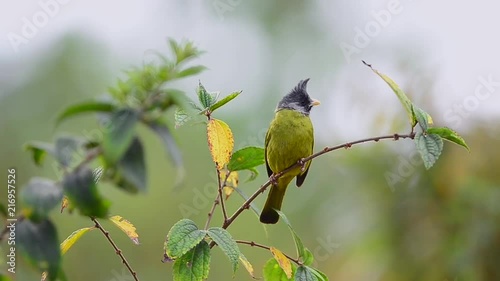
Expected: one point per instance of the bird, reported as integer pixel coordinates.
(289, 139)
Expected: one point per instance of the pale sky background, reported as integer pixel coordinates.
(457, 41)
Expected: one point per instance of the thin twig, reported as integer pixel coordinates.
(117, 250)
(301, 162)
(253, 244)
(221, 198)
(211, 213)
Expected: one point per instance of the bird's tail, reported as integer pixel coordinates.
(273, 203)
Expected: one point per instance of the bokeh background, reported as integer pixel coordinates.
(369, 213)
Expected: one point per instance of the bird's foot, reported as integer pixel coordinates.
(273, 179)
(302, 164)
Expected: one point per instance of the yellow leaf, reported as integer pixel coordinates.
(126, 227)
(231, 182)
(283, 261)
(72, 238)
(64, 203)
(247, 265)
(220, 142)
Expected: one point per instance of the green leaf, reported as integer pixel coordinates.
(254, 173)
(39, 197)
(73, 237)
(224, 240)
(304, 274)
(81, 190)
(168, 142)
(301, 251)
(405, 101)
(190, 71)
(182, 237)
(39, 150)
(206, 99)
(180, 117)
(423, 118)
(39, 244)
(320, 275)
(246, 158)
(65, 147)
(194, 265)
(308, 258)
(449, 135)
(183, 51)
(119, 134)
(84, 107)
(429, 146)
(273, 272)
(133, 167)
(223, 101)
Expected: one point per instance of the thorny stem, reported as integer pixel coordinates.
(117, 250)
(327, 149)
(253, 244)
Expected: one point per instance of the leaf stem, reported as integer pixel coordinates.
(117, 250)
(221, 198)
(325, 150)
(254, 244)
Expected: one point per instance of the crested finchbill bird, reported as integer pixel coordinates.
(290, 137)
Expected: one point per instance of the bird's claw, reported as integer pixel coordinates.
(273, 179)
(302, 164)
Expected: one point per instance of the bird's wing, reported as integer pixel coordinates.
(301, 177)
(268, 137)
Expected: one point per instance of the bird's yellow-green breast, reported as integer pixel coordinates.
(290, 137)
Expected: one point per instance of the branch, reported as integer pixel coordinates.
(118, 251)
(302, 162)
(221, 186)
(253, 244)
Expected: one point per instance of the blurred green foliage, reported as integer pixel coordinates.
(441, 224)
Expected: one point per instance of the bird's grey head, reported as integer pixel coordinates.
(298, 99)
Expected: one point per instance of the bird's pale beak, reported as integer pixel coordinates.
(315, 102)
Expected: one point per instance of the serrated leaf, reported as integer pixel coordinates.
(405, 101)
(132, 167)
(84, 107)
(223, 239)
(127, 227)
(301, 252)
(223, 101)
(39, 150)
(39, 197)
(273, 271)
(73, 237)
(190, 71)
(65, 147)
(320, 275)
(220, 142)
(38, 242)
(304, 274)
(449, 135)
(206, 100)
(194, 265)
(423, 118)
(182, 237)
(429, 146)
(248, 266)
(246, 158)
(308, 258)
(81, 190)
(119, 134)
(283, 261)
